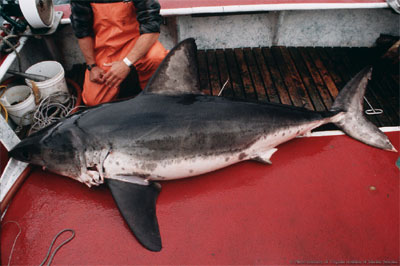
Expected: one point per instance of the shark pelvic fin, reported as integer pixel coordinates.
(137, 204)
(265, 158)
(177, 73)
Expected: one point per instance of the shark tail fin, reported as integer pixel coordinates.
(353, 122)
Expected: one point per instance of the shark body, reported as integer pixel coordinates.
(171, 130)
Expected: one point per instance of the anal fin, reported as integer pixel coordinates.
(137, 204)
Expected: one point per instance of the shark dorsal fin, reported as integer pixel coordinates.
(177, 74)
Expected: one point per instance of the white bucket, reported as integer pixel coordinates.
(56, 81)
(18, 101)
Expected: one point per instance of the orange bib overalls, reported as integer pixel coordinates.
(116, 32)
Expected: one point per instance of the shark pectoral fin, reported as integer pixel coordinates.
(137, 204)
(265, 157)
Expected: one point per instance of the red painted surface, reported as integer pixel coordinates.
(172, 4)
(3, 157)
(2, 58)
(313, 204)
(66, 9)
(169, 4)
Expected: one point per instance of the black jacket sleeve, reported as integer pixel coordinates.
(81, 18)
(148, 15)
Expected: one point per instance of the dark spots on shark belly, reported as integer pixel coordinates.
(242, 156)
(148, 166)
(114, 162)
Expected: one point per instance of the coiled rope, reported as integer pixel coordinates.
(58, 247)
(51, 245)
(15, 240)
(51, 109)
(12, 47)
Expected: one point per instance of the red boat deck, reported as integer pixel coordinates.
(323, 200)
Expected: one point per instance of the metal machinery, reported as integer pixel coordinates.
(27, 18)
(37, 13)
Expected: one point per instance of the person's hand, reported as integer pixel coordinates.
(96, 74)
(117, 73)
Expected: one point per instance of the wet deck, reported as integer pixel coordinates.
(324, 200)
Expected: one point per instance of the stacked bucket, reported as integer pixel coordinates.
(20, 100)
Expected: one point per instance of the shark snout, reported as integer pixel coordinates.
(25, 151)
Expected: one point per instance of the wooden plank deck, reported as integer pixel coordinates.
(300, 76)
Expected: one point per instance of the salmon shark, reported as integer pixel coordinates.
(171, 131)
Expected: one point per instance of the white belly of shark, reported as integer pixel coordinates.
(124, 167)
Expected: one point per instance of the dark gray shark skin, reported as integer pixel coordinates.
(173, 131)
